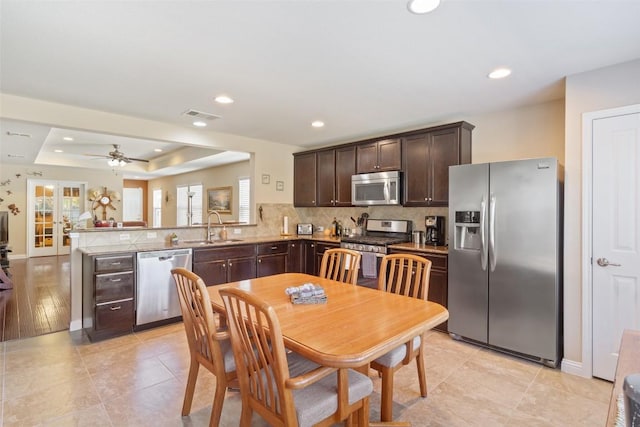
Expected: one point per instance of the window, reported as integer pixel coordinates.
(244, 185)
(189, 205)
(157, 207)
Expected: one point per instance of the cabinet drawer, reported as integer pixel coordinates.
(321, 247)
(273, 248)
(215, 254)
(439, 262)
(113, 263)
(114, 286)
(117, 316)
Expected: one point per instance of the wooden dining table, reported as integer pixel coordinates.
(355, 326)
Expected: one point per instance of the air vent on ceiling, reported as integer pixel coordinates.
(200, 115)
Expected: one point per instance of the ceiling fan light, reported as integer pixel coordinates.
(112, 162)
(122, 163)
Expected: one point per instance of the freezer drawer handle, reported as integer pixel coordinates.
(603, 262)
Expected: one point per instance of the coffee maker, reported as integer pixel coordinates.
(435, 230)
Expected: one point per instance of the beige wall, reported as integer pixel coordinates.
(519, 133)
(267, 157)
(222, 176)
(605, 88)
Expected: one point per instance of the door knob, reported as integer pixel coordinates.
(603, 262)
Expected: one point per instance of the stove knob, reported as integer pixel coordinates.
(359, 248)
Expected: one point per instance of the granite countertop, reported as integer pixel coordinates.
(419, 247)
(159, 246)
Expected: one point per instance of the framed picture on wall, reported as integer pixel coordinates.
(219, 199)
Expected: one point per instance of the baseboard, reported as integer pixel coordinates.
(574, 368)
(17, 256)
(75, 325)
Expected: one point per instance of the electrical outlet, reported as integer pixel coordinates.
(237, 231)
(152, 235)
(124, 237)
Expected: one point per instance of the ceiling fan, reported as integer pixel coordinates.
(117, 157)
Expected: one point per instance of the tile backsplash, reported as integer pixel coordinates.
(272, 216)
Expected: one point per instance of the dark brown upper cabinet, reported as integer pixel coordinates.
(426, 160)
(304, 179)
(335, 168)
(379, 156)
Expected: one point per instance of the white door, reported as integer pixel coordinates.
(53, 209)
(616, 236)
(132, 204)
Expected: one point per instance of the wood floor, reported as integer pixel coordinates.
(39, 302)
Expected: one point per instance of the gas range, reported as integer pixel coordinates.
(378, 235)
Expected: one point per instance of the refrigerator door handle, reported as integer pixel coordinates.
(483, 238)
(492, 232)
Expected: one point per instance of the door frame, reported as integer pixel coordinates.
(586, 370)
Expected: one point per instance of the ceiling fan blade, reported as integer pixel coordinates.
(102, 156)
(137, 160)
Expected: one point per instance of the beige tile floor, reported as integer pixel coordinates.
(61, 379)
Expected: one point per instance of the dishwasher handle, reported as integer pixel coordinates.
(165, 258)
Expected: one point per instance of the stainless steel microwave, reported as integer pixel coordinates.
(380, 188)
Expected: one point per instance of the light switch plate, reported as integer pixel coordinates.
(237, 231)
(152, 235)
(124, 237)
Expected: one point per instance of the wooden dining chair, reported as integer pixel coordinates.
(283, 387)
(340, 264)
(208, 345)
(407, 275)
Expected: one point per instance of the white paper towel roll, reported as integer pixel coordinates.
(285, 225)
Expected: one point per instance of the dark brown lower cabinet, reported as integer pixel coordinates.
(295, 260)
(438, 281)
(320, 248)
(272, 258)
(108, 295)
(222, 265)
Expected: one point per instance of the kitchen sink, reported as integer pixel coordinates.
(211, 242)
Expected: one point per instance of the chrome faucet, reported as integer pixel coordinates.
(209, 222)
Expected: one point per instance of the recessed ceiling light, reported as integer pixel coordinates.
(58, 151)
(223, 99)
(420, 7)
(199, 124)
(317, 124)
(158, 150)
(499, 73)
(68, 138)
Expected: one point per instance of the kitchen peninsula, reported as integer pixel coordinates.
(251, 255)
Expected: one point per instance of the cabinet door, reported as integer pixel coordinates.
(444, 152)
(345, 168)
(211, 272)
(295, 260)
(304, 179)
(389, 155)
(438, 291)
(272, 264)
(416, 170)
(326, 173)
(241, 269)
(310, 257)
(367, 157)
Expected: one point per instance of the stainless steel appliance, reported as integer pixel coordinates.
(156, 294)
(380, 188)
(505, 271)
(434, 226)
(305, 229)
(373, 243)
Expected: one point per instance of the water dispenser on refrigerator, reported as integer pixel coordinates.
(467, 230)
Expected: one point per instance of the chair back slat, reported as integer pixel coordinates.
(257, 341)
(405, 274)
(340, 264)
(197, 315)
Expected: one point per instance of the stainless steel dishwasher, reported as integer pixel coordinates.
(156, 296)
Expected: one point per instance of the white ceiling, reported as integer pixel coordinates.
(364, 67)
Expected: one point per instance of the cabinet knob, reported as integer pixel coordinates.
(230, 264)
(260, 261)
(224, 265)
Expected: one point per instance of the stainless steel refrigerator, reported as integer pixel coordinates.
(505, 266)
